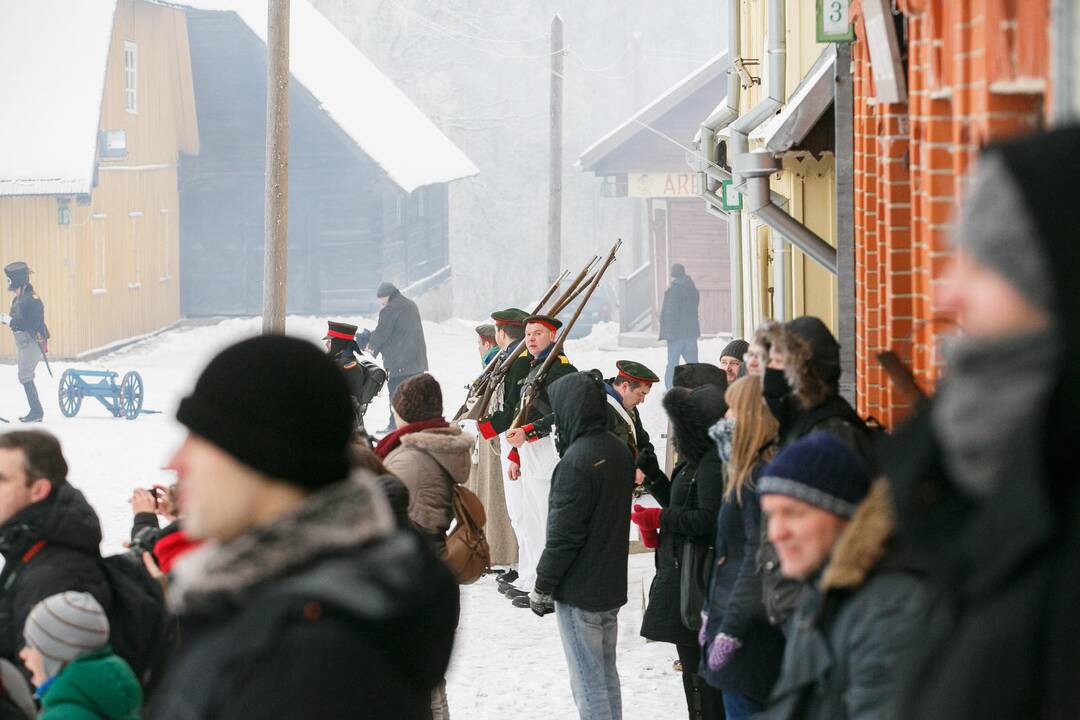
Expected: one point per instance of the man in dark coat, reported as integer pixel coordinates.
(679, 321)
(625, 392)
(399, 338)
(49, 534)
(582, 571)
(365, 378)
(27, 321)
(984, 474)
(311, 601)
(863, 611)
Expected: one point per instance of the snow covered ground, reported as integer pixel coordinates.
(508, 663)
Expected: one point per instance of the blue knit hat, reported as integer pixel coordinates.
(818, 470)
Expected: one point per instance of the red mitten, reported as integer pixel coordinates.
(648, 522)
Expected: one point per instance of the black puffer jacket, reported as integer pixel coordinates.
(690, 500)
(48, 547)
(588, 529)
(679, 313)
(399, 337)
(329, 612)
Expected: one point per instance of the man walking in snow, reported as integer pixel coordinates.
(399, 338)
(27, 322)
(582, 572)
(679, 322)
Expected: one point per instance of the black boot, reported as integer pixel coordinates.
(36, 413)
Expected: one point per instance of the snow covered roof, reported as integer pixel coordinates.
(670, 99)
(53, 57)
(364, 103)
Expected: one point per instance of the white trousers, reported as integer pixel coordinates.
(514, 501)
(538, 461)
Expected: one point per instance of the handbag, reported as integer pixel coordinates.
(467, 552)
(695, 565)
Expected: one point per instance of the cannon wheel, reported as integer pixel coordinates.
(131, 395)
(69, 395)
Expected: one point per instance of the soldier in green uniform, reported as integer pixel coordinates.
(625, 392)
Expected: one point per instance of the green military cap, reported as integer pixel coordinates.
(552, 324)
(509, 316)
(486, 331)
(635, 371)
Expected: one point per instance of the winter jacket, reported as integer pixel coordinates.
(588, 530)
(429, 463)
(690, 501)
(679, 313)
(854, 627)
(99, 686)
(49, 547)
(28, 313)
(1006, 564)
(328, 612)
(399, 337)
(735, 607)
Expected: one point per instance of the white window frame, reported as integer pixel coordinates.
(99, 251)
(131, 77)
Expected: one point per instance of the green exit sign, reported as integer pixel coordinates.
(834, 21)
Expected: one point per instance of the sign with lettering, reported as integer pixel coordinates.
(834, 21)
(662, 185)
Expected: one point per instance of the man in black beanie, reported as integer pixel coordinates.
(399, 338)
(731, 359)
(307, 601)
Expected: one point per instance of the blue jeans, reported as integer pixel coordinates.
(588, 639)
(740, 707)
(686, 349)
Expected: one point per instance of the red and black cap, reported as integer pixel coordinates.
(636, 372)
(552, 324)
(509, 316)
(340, 330)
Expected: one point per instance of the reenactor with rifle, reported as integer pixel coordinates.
(625, 392)
(27, 322)
(365, 378)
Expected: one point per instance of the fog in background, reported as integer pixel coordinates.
(480, 70)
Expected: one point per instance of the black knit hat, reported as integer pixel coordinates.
(735, 349)
(278, 405)
(818, 470)
(385, 289)
(419, 398)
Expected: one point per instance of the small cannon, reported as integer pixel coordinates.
(122, 399)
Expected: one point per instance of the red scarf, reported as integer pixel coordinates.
(391, 441)
(169, 548)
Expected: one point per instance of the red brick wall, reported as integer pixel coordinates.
(967, 61)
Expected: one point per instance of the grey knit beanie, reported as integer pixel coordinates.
(995, 227)
(65, 627)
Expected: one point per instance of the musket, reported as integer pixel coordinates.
(477, 385)
(484, 387)
(532, 388)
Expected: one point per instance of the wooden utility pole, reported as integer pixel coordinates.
(276, 210)
(554, 253)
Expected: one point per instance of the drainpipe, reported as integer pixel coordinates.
(756, 167)
(726, 113)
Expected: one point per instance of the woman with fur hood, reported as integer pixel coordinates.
(429, 456)
(690, 500)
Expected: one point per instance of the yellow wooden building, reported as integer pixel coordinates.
(93, 126)
(776, 279)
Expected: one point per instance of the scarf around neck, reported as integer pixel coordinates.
(991, 405)
(391, 441)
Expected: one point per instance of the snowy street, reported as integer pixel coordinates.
(507, 662)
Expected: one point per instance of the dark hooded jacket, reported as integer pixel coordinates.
(329, 612)
(1005, 564)
(856, 623)
(399, 337)
(679, 314)
(588, 530)
(49, 547)
(690, 500)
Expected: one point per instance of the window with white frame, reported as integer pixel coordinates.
(131, 76)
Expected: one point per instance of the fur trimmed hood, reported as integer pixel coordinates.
(334, 520)
(692, 413)
(449, 447)
(863, 543)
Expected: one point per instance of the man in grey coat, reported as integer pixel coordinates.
(863, 612)
(399, 338)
